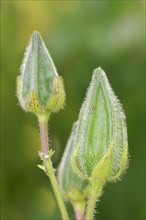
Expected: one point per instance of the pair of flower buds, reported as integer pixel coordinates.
(96, 151)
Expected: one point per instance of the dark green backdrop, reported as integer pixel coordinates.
(80, 35)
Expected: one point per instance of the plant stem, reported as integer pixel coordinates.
(43, 121)
(44, 137)
(94, 194)
(79, 209)
(51, 175)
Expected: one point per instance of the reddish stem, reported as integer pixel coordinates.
(44, 137)
(79, 210)
(79, 215)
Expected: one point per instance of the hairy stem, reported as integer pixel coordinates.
(44, 137)
(43, 121)
(43, 126)
(51, 175)
(79, 209)
(94, 194)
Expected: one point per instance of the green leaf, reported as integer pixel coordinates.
(41, 167)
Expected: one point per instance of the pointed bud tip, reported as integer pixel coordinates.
(36, 37)
(99, 71)
(35, 34)
(98, 74)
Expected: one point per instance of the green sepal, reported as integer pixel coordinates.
(102, 170)
(57, 100)
(74, 165)
(123, 167)
(75, 195)
(34, 105)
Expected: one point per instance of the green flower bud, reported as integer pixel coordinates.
(39, 87)
(97, 148)
(102, 132)
(101, 144)
(73, 186)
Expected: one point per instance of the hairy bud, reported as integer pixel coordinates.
(97, 149)
(39, 87)
(74, 187)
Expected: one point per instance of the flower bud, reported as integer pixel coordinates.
(97, 149)
(102, 133)
(39, 87)
(73, 186)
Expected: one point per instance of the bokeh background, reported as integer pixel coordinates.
(80, 35)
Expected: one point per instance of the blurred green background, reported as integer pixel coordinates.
(80, 35)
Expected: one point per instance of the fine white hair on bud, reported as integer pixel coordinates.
(39, 87)
(101, 123)
(98, 145)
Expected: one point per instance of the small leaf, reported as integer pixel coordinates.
(41, 167)
(51, 152)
